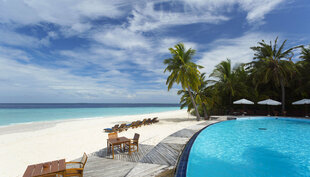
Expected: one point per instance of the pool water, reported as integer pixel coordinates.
(252, 148)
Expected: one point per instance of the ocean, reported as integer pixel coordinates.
(14, 113)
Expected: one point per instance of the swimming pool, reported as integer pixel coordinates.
(253, 147)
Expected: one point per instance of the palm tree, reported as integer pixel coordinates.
(202, 96)
(273, 65)
(304, 73)
(183, 71)
(185, 100)
(305, 54)
(224, 75)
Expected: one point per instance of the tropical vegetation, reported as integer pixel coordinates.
(275, 72)
(183, 71)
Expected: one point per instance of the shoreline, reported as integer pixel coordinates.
(22, 145)
(78, 118)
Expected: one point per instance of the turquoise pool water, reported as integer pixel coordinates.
(265, 147)
(13, 116)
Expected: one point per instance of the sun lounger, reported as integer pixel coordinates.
(154, 120)
(129, 125)
(148, 121)
(113, 129)
(132, 124)
(122, 128)
(139, 123)
(144, 122)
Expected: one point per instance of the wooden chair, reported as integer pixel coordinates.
(134, 143)
(112, 135)
(113, 129)
(77, 171)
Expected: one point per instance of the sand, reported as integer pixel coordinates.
(25, 144)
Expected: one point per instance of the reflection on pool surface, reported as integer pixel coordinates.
(250, 148)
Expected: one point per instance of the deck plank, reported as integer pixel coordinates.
(149, 161)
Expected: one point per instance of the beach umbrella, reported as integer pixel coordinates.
(303, 102)
(269, 102)
(244, 102)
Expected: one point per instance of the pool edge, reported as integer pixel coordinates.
(181, 167)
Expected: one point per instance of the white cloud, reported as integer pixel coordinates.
(121, 37)
(95, 8)
(69, 14)
(95, 55)
(169, 42)
(16, 39)
(60, 12)
(146, 18)
(236, 49)
(39, 84)
(52, 84)
(256, 10)
(9, 37)
(14, 53)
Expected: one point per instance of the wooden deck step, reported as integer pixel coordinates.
(146, 169)
(102, 167)
(163, 154)
(186, 133)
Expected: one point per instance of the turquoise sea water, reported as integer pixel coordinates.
(266, 147)
(29, 113)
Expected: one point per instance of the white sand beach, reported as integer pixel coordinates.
(25, 144)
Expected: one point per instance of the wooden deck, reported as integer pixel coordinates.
(149, 161)
(124, 156)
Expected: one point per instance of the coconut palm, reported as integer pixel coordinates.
(305, 54)
(185, 100)
(272, 64)
(304, 73)
(224, 78)
(203, 96)
(183, 71)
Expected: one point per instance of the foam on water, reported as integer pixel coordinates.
(258, 147)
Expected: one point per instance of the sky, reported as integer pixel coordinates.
(103, 51)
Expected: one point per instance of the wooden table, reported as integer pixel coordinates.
(46, 169)
(117, 141)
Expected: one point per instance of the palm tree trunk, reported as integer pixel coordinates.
(194, 103)
(230, 104)
(204, 111)
(283, 96)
